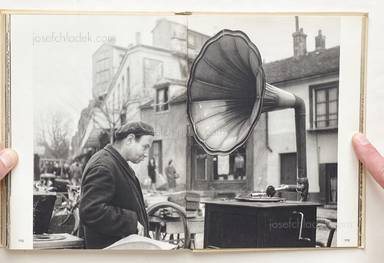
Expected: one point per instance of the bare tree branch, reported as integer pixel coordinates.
(108, 111)
(54, 136)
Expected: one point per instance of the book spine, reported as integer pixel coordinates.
(362, 129)
(4, 117)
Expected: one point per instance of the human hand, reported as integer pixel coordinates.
(8, 160)
(369, 156)
(140, 229)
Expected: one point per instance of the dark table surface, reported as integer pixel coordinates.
(262, 204)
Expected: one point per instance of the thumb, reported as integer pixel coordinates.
(8, 160)
(369, 156)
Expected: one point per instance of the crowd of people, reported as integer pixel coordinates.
(73, 171)
(62, 169)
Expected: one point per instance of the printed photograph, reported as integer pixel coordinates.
(185, 132)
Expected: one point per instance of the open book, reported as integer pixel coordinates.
(140, 242)
(248, 145)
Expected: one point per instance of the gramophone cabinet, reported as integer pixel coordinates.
(238, 224)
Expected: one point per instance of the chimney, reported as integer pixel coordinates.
(138, 38)
(320, 41)
(299, 40)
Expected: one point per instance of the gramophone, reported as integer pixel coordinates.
(226, 94)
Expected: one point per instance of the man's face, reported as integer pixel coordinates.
(137, 150)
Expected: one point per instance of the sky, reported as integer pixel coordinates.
(63, 46)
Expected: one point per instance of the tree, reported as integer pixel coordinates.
(109, 116)
(53, 135)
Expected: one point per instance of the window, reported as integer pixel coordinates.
(217, 172)
(153, 72)
(324, 108)
(201, 165)
(156, 153)
(230, 167)
(162, 99)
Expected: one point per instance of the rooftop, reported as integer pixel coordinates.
(318, 62)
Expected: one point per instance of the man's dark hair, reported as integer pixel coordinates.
(136, 128)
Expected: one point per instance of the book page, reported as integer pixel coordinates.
(320, 62)
(223, 120)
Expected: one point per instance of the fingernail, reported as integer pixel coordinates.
(9, 158)
(361, 139)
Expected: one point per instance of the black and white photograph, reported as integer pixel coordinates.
(186, 131)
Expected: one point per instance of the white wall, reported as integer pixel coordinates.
(135, 61)
(321, 146)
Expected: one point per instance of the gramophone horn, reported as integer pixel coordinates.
(227, 92)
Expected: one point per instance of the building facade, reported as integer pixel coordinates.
(313, 77)
(125, 78)
(105, 62)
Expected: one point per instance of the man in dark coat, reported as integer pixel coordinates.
(112, 205)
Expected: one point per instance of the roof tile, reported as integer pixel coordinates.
(312, 64)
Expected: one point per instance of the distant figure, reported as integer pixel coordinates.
(56, 169)
(43, 167)
(172, 175)
(152, 174)
(66, 170)
(50, 167)
(239, 166)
